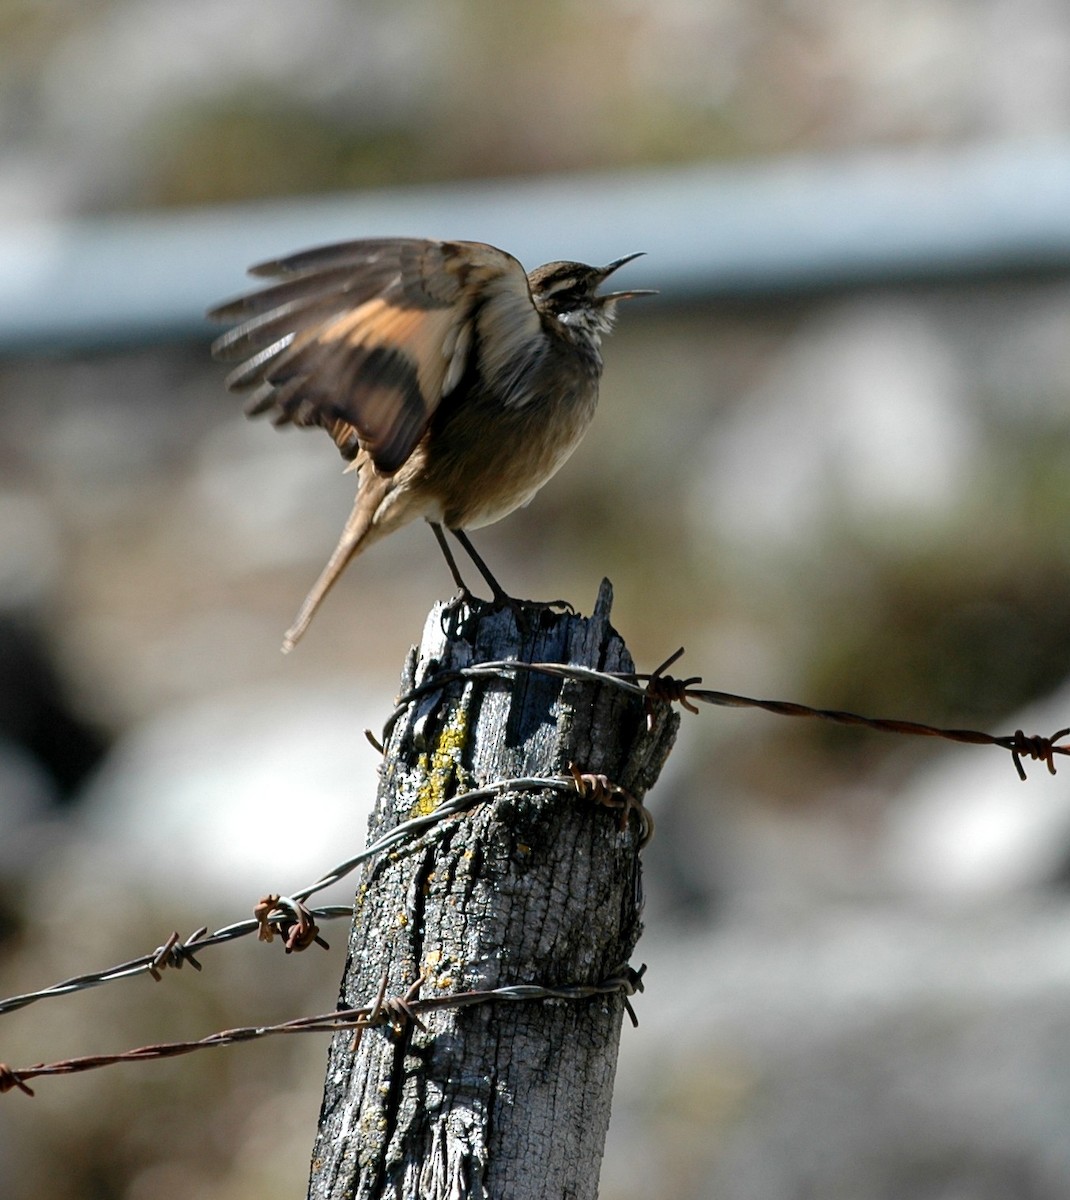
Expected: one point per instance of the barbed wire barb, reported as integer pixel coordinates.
(395, 1011)
(296, 923)
(289, 916)
(171, 954)
(658, 686)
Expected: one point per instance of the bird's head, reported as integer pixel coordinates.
(567, 292)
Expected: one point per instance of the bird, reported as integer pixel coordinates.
(453, 382)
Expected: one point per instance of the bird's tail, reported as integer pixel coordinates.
(355, 537)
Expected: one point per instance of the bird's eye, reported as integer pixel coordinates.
(556, 287)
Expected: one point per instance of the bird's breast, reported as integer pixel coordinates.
(487, 458)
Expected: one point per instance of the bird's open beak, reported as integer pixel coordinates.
(628, 295)
(615, 265)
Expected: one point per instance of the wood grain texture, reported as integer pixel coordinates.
(504, 1101)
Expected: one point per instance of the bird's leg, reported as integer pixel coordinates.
(501, 597)
(451, 562)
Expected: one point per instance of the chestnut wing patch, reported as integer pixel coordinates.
(362, 339)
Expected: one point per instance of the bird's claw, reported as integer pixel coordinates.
(527, 613)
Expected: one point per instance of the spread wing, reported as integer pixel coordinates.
(366, 338)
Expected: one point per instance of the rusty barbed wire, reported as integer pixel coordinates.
(602, 790)
(297, 926)
(395, 1011)
(654, 688)
(658, 687)
(173, 953)
(288, 915)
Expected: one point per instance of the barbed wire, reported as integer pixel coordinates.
(658, 687)
(289, 917)
(296, 924)
(174, 953)
(395, 1011)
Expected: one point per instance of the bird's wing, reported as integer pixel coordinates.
(366, 338)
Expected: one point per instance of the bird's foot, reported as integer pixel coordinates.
(528, 613)
(461, 606)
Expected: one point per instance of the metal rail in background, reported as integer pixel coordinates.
(710, 232)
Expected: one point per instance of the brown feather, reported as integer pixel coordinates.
(364, 339)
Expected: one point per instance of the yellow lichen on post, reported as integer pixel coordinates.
(443, 768)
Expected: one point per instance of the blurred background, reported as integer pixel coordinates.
(832, 459)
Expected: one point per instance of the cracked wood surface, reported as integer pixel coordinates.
(504, 1101)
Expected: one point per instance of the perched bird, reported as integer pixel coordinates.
(453, 383)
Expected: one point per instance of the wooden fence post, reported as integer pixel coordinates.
(508, 1101)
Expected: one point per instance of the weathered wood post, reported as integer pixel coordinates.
(508, 1101)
